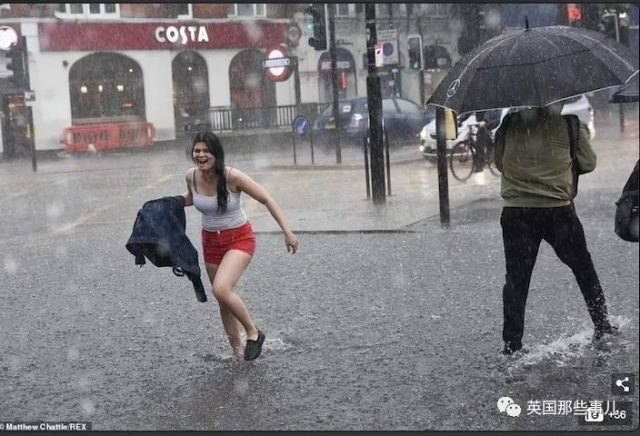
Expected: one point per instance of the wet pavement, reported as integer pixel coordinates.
(384, 320)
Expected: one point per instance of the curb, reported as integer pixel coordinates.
(323, 167)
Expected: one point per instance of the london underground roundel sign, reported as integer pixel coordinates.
(8, 37)
(277, 64)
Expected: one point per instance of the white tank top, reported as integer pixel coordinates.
(214, 220)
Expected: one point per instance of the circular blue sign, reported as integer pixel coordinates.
(301, 125)
(387, 49)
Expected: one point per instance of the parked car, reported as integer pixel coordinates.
(579, 106)
(402, 119)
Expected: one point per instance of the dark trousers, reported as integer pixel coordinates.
(522, 231)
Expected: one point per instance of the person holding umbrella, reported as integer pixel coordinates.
(534, 68)
(533, 154)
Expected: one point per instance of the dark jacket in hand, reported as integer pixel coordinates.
(159, 235)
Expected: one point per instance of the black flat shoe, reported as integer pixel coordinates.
(253, 348)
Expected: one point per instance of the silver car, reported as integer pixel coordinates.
(581, 106)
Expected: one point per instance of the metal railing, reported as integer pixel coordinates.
(274, 117)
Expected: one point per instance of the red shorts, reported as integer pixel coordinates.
(216, 243)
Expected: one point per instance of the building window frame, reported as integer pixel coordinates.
(87, 12)
(345, 10)
(189, 13)
(436, 11)
(258, 10)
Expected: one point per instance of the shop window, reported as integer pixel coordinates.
(190, 88)
(106, 87)
(247, 10)
(87, 10)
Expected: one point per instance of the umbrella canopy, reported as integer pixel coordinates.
(627, 93)
(534, 67)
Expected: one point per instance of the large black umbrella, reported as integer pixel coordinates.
(534, 67)
(627, 93)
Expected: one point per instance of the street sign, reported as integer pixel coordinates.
(340, 65)
(379, 55)
(277, 64)
(301, 125)
(389, 40)
(29, 97)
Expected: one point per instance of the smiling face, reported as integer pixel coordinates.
(203, 157)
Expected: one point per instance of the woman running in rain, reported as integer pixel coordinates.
(228, 240)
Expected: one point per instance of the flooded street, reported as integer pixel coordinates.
(394, 329)
(371, 180)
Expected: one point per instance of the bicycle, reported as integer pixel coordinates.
(464, 158)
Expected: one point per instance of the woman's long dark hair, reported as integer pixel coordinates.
(215, 148)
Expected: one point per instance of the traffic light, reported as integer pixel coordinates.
(415, 52)
(317, 26)
(574, 14)
(13, 66)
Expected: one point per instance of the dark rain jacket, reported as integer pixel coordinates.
(159, 235)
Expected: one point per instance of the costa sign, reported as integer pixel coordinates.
(159, 36)
(182, 34)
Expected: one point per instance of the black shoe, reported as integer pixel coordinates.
(608, 329)
(511, 347)
(253, 348)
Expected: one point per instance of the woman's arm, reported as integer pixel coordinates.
(188, 196)
(244, 183)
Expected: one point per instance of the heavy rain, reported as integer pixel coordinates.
(370, 151)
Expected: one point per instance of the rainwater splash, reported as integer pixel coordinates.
(276, 344)
(565, 350)
(87, 406)
(10, 265)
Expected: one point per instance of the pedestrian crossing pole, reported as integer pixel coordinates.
(443, 181)
(374, 98)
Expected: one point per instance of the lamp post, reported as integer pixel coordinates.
(334, 79)
(616, 25)
(374, 98)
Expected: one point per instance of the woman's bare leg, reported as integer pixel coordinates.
(230, 323)
(233, 329)
(231, 267)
